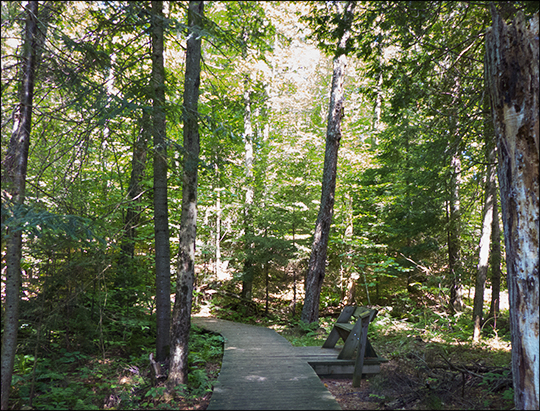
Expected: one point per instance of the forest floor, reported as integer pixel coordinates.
(427, 369)
(432, 364)
(414, 382)
(430, 369)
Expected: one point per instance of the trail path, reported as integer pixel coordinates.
(260, 370)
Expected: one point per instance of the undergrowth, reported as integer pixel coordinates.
(431, 352)
(433, 362)
(77, 381)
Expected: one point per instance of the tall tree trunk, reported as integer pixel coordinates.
(138, 165)
(161, 209)
(247, 279)
(454, 264)
(485, 240)
(266, 270)
(347, 294)
(294, 267)
(512, 67)
(408, 207)
(317, 261)
(178, 371)
(495, 262)
(376, 126)
(350, 291)
(218, 225)
(15, 185)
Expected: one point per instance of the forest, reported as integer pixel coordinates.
(268, 162)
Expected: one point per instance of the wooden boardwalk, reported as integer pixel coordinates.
(262, 371)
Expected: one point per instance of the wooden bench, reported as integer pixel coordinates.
(352, 326)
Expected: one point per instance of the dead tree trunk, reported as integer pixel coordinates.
(512, 72)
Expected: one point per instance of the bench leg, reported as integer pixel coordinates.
(359, 363)
(344, 317)
(332, 339)
(351, 342)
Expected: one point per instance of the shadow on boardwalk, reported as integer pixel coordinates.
(260, 370)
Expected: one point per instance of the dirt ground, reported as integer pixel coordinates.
(408, 386)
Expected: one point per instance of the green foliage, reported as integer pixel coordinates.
(200, 383)
(41, 223)
(52, 388)
(490, 377)
(508, 394)
(155, 392)
(74, 380)
(204, 346)
(301, 334)
(329, 298)
(419, 63)
(269, 250)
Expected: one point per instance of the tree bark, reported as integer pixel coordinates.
(161, 209)
(138, 165)
(485, 242)
(495, 263)
(350, 292)
(454, 263)
(317, 261)
(247, 279)
(178, 371)
(218, 225)
(376, 127)
(512, 70)
(15, 185)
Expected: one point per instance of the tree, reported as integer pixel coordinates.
(161, 209)
(135, 191)
(485, 238)
(317, 262)
(15, 184)
(253, 33)
(247, 279)
(512, 72)
(454, 243)
(495, 262)
(178, 370)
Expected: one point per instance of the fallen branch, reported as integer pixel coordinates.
(471, 369)
(155, 370)
(459, 369)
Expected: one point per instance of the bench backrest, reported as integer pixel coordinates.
(360, 312)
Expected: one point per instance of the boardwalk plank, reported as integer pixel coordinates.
(261, 371)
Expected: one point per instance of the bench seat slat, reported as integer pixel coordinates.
(344, 326)
(352, 326)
